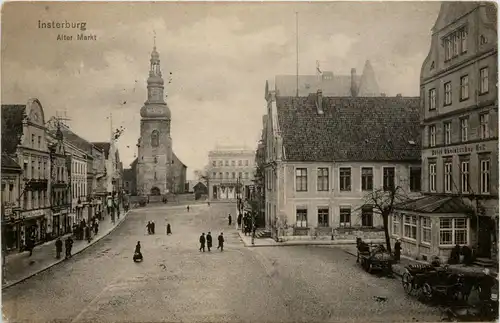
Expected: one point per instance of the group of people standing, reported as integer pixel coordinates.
(151, 227)
(68, 244)
(248, 225)
(84, 230)
(208, 241)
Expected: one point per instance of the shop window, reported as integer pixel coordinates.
(410, 226)
(345, 216)
(301, 218)
(453, 231)
(426, 229)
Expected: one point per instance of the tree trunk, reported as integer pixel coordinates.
(385, 218)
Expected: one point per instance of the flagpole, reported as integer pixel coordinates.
(297, 48)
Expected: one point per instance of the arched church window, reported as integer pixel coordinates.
(154, 138)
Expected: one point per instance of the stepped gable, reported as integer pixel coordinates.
(368, 85)
(350, 129)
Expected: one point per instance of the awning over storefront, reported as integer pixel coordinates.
(435, 204)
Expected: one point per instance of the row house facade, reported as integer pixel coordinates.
(11, 183)
(60, 184)
(459, 104)
(32, 155)
(325, 155)
(228, 168)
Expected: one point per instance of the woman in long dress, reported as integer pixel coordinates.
(169, 229)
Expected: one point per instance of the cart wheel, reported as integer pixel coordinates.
(407, 282)
(427, 291)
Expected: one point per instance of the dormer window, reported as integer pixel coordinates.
(455, 43)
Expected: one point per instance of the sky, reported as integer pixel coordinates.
(220, 56)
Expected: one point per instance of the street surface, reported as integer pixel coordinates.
(176, 282)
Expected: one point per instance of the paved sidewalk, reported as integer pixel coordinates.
(268, 242)
(20, 266)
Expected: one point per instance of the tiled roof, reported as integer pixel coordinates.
(350, 129)
(104, 146)
(435, 204)
(9, 163)
(338, 85)
(76, 140)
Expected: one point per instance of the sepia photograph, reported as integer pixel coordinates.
(244, 161)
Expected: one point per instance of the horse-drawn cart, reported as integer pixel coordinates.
(374, 258)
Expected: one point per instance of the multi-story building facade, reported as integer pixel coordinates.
(11, 222)
(229, 166)
(325, 155)
(78, 173)
(60, 184)
(459, 102)
(33, 156)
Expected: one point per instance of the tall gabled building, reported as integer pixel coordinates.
(459, 104)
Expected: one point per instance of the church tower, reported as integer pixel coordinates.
(155, 144)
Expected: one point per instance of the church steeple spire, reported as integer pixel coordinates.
(155, 105)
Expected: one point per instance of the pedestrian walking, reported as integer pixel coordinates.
(209, 241)
(188, 208)
(69, 246)
(30, 245)
(153, 227)
(59, 246)
(169, 229)
(221, 242)
(149, 227)
(202, 242)
(88, 233)
(239, 221)
(96, 228)
(229, 219)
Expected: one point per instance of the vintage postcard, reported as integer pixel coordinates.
(249, 161)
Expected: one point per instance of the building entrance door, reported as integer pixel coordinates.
(484, 236)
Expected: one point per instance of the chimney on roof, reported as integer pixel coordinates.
(354, 87)
(319, 101)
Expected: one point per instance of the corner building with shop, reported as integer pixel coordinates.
(459, 122)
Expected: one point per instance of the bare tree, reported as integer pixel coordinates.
(383, 202)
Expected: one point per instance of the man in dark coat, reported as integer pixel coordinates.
(149, 227)
(153, 227)
(69, 246)
(202, 242)
(397, 250)
(238, 220)
(230, 220)
(58, 248)
(88, 233)
(209, 241)
(169, 229)
(221, 242)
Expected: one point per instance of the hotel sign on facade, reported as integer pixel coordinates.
(462, 149)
